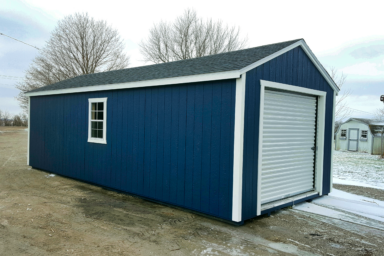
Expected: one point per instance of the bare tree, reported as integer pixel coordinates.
(24, 119)
(78, 45)
(1, 118)
(7, 121)
(380, 114)
(189, 36)
(17, 121)
(342, 109)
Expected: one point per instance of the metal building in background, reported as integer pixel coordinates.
(233, 135)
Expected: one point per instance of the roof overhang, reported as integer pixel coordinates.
(156, 82)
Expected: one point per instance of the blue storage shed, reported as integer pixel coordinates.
(233, 135)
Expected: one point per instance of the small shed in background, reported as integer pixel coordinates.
(233, 135)
(360, 135)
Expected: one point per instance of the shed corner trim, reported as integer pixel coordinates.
(238, 150)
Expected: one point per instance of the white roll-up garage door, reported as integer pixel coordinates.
(288, 143)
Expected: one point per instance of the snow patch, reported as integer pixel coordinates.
(368, 210)
(331, 213)
(346, 195)
(357, 183)
(215, 249)
(50, 175)
(272, 247)
(358, 169)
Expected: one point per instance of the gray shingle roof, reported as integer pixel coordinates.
(209, 64)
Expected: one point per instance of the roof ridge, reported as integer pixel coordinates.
(186, 60)
(215, 63)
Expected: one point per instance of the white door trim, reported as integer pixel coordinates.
(319, 133)
(238, 150)
(332, 140)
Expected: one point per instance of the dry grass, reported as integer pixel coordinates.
(12, 128)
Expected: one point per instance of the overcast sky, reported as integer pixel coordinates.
(347, 36)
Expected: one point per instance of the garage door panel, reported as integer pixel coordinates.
(289, 127)
(288, 163)
(305, 144)
(277, 134)
(276, 195)
(284, 112)
(280, 172)
(285, 158)
(286, 139)
(268, 188)
(284, 97)
(279, 181)
(283, 150)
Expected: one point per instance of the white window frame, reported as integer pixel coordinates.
(97, 140)
(341, 134)
(361, 135)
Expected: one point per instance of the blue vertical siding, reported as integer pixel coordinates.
(172, 143)
(293, 68)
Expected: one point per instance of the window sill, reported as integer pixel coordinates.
(343, 138)
(100, 141)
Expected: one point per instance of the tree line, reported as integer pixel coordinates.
(81, 45)
(7, 119)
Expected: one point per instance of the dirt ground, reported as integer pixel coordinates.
(42, 214)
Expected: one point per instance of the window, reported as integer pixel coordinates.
(97, 124)
(343, 134)
(364, 135)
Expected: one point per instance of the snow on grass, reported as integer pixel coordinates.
(352, 168)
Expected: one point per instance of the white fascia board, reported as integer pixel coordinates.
(309, 53)
(146, 83)
(237, 193)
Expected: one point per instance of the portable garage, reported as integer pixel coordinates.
(360, 135)
(233, 135)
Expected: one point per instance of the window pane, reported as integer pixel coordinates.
(100, 115)
(100, 125)
(94, 133)
(93, 115)
(94, 125)
(100, 106)
(100, 134)
(93, 106)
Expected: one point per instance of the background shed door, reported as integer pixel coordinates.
(289, 128)
(353, 139)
